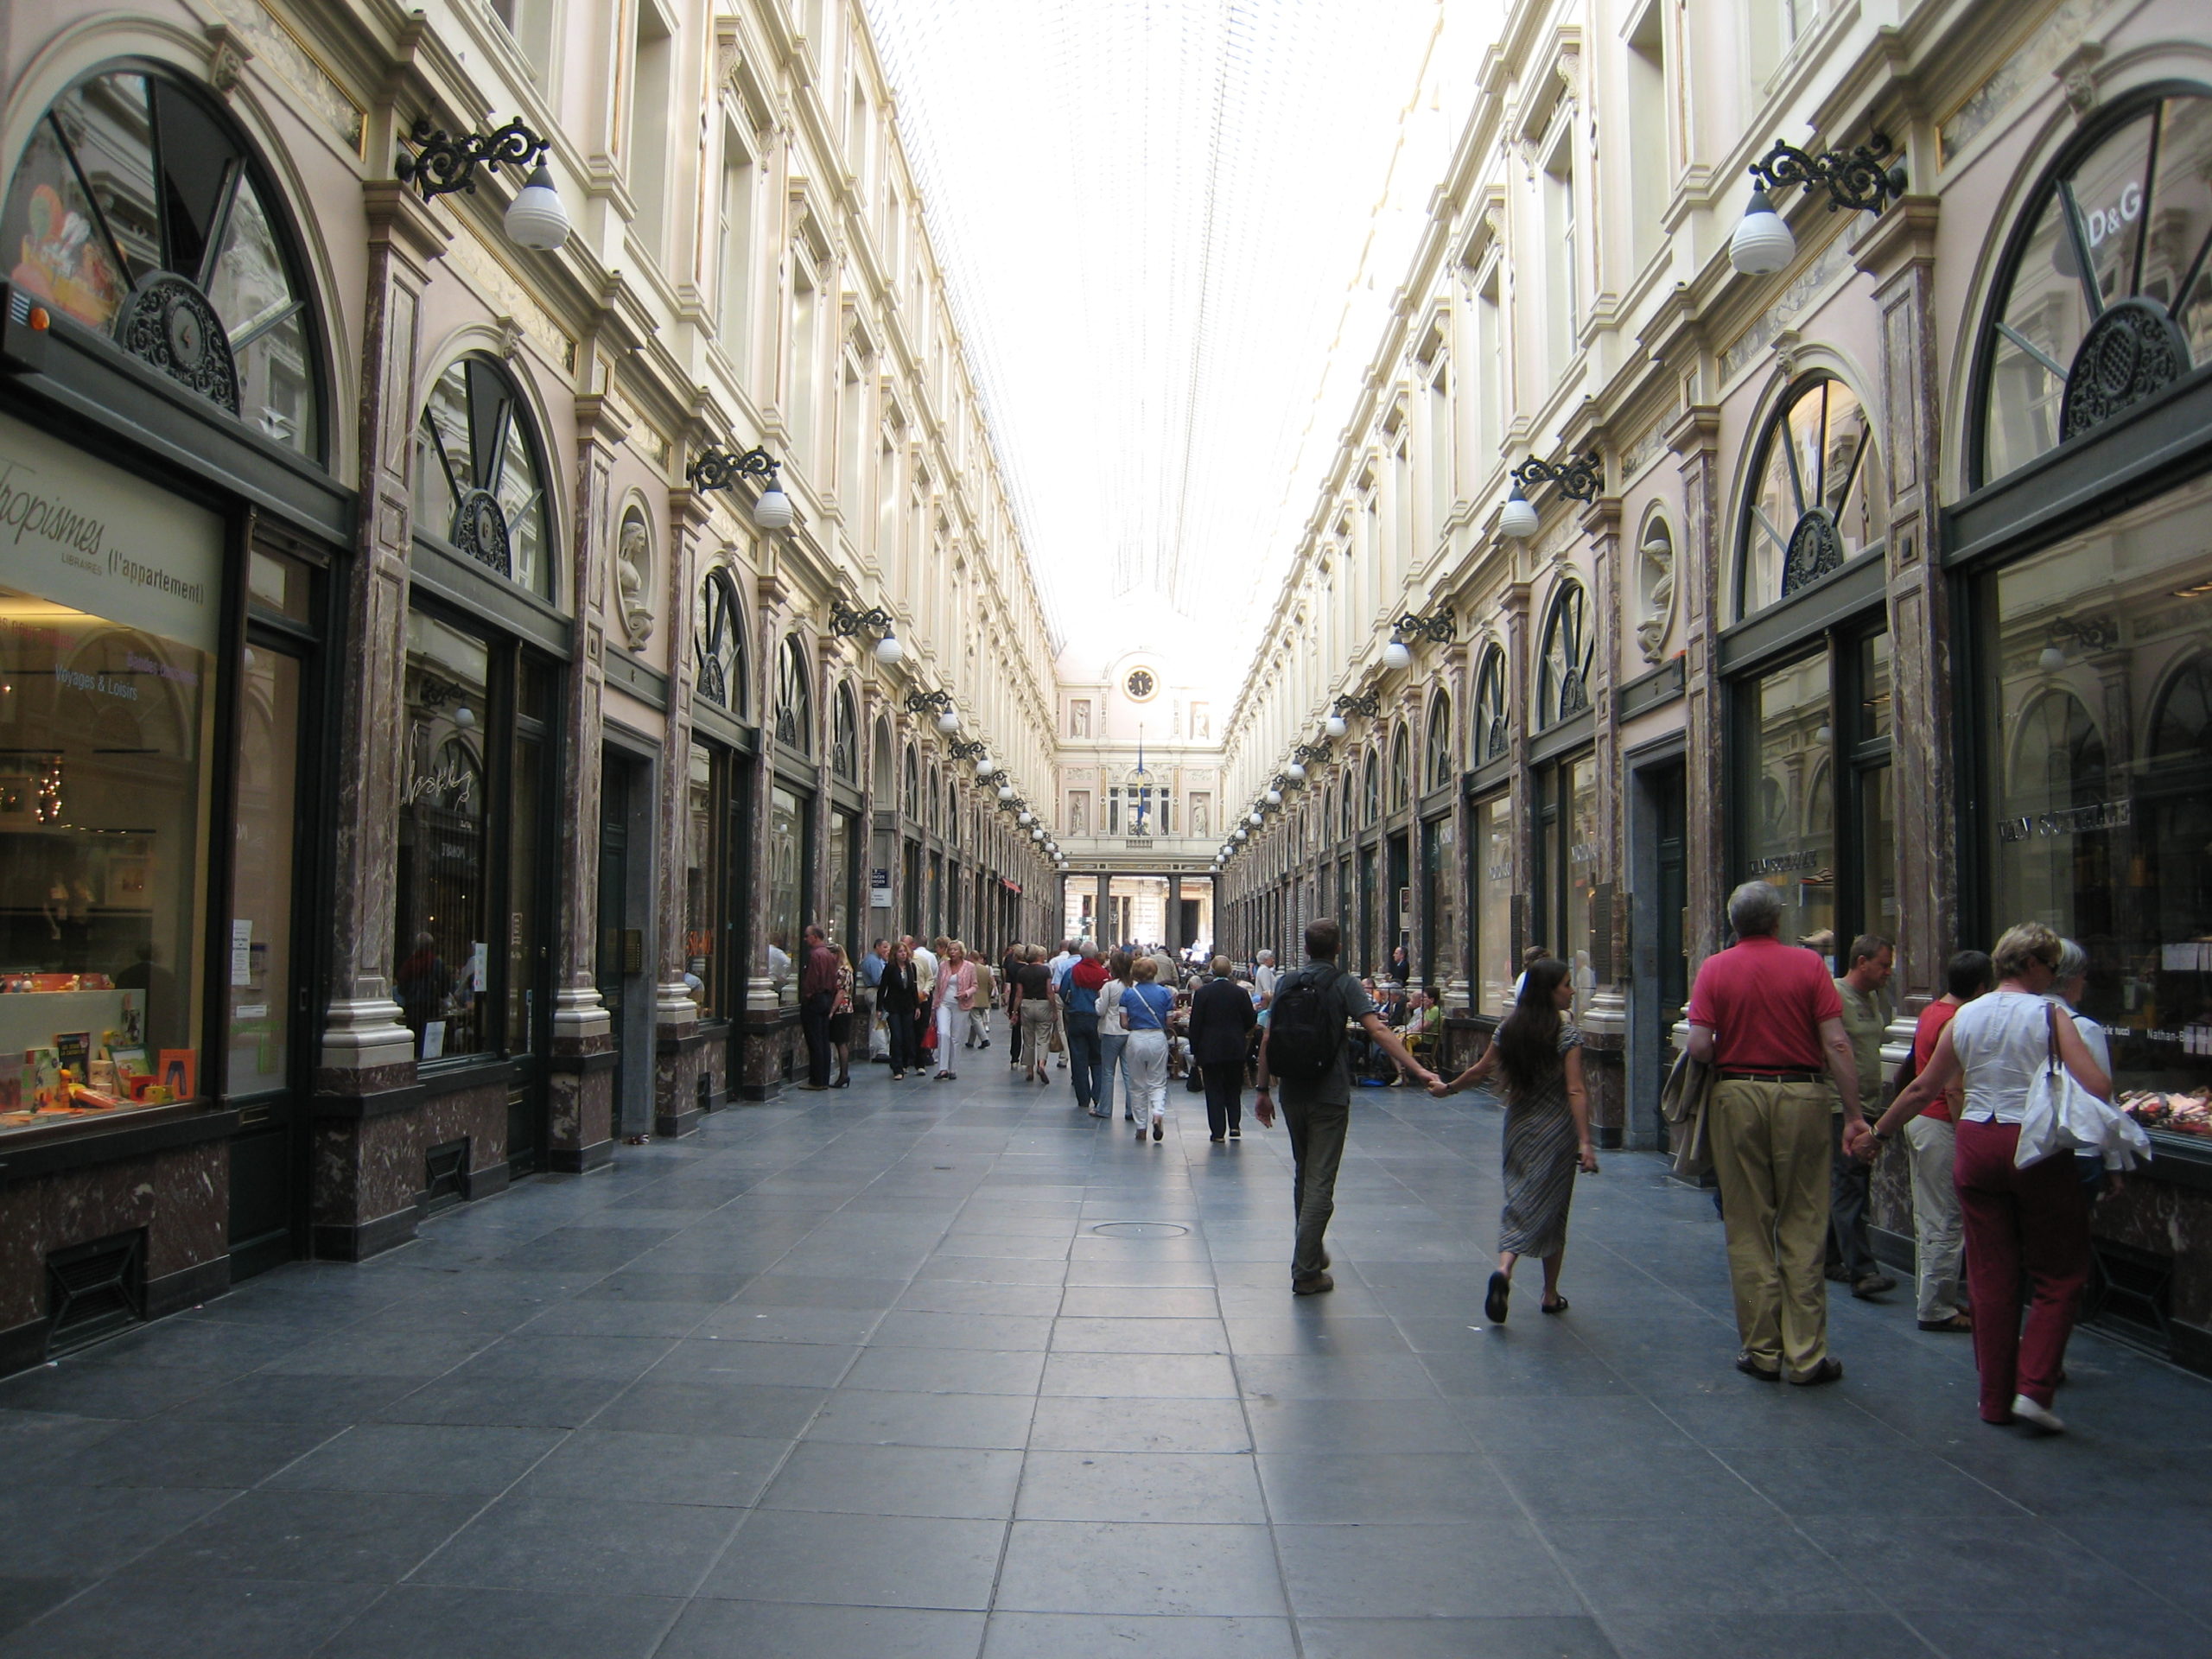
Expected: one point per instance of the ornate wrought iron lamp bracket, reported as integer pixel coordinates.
(845, 621)
(443, 163)
(1854, 178)
(1441, 629)
(1367, 708)
(928, 702)
(1308, 754)
(969, 751)
(1578, 479)
(717, 469)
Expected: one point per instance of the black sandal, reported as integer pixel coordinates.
(1494, 1300)
(1558, 1306)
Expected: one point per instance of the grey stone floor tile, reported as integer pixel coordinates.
(262, 1398)
(23, 1599)
(886, 1417)
(1452, 1638)
(503, 1401)
(173, 1451)
(1871, 1634)
(82, 1387)
(1084, 1423)
(419, 1458)
(1357, 1425)
(722, 1471)
(870, 1561)
(1496, 1569)
(1879, 1481)
(550, 1543)
(1140, 1302)
(838, 1327)
(1140, 1377)
(1110, 1636)
(1114, 1568)
(1660, 1479)
(163, 1619)
(992, 1270)
(701, 1289)
(1577, 1423)
(785, 1365)
(946, 1371)
(770, 1630)
(1125, 1335)
(1381, 1486)
(1181, 1487)
(959, 1482)
(795, 1290)
(1330, 1376)
(1326, 1330)
(343, 1537)
(2118, 1628)
(2004, 1565)
(1008, 1332)
(88, 1532)
(749, 1410)
(1725, 1564)
(967, 1296)
(433, 1622)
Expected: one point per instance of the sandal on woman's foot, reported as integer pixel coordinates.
(1959, 1322)
(1557, 1306)
(1494, 1299)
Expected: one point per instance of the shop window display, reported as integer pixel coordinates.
(1493, 919)
(137, 213)
(2097, 664)
(107, 711)
(1789, 828)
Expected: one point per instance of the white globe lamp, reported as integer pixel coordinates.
(986, 766)
(1516, 520)
(889, 651)
(1295, 772)
(536, 218)
(948, 722)
(1761, 245)
(1006, 791)
(1334, 725)
(1395, 656)
(774, 510)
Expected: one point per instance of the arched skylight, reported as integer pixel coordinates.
(1215, 200)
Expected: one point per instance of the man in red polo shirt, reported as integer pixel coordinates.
(1766, 1016)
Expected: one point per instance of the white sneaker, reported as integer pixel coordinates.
(2042, 1416)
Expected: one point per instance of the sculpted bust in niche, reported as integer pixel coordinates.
(633, 577)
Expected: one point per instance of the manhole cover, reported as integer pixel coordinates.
(1139, 1229)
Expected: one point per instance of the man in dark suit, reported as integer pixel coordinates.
(1221, 1025)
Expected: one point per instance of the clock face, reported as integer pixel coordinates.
(1140, 685)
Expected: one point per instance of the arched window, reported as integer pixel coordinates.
(880, 766)
(1817, 495)
(2181, 736)
(929, 801)
(1490, 737)
(138, 210)
(2103, 285)
(1371, 788)
(719, 644)
(1563, 678)
(845, 738)
(910, 786)
(794, 698)
(479, 476)
(1327, 828)
(2058, 757)
(1402, 770)
(1440, 743)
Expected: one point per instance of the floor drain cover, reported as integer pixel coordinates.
(1139, 1229)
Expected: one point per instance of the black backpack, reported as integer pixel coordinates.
(1305, 1029)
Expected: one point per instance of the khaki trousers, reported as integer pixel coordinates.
(1770, 1150)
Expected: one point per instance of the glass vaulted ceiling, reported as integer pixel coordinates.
(1169, 225)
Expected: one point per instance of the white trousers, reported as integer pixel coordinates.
(1146, 1057)
(1937, 1227)
(979, 1024)
(950, 1020)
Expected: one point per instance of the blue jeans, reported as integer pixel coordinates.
(1111, 1044)
(1083, 1057)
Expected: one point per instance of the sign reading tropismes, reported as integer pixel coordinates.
(81, 533)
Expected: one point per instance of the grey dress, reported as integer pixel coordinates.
(1540, 1157)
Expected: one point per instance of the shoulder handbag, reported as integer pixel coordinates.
(2062, 1116)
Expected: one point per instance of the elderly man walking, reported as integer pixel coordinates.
(1862, 992)
(1766, 1016)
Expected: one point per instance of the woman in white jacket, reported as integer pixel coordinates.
(1114, 1040)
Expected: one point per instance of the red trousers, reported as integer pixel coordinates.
(2027, 1238)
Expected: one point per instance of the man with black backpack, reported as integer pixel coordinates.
(1304, 1049)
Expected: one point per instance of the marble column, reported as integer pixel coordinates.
(1694, 437)
(768, 1028)
(359, 1202)
(1604, 1020)
(680, 1057)
(581, 1071)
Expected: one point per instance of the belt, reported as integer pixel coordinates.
(1774, 1076)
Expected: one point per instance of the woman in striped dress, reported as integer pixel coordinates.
(1547, 1129)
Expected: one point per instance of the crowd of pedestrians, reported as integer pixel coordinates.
(1778, 1099)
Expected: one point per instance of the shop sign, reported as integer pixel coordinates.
(1785, 863)
(80, 533)
(879, 889)
(2108, 815)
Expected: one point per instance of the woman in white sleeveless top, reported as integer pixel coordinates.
(2027, 1231)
